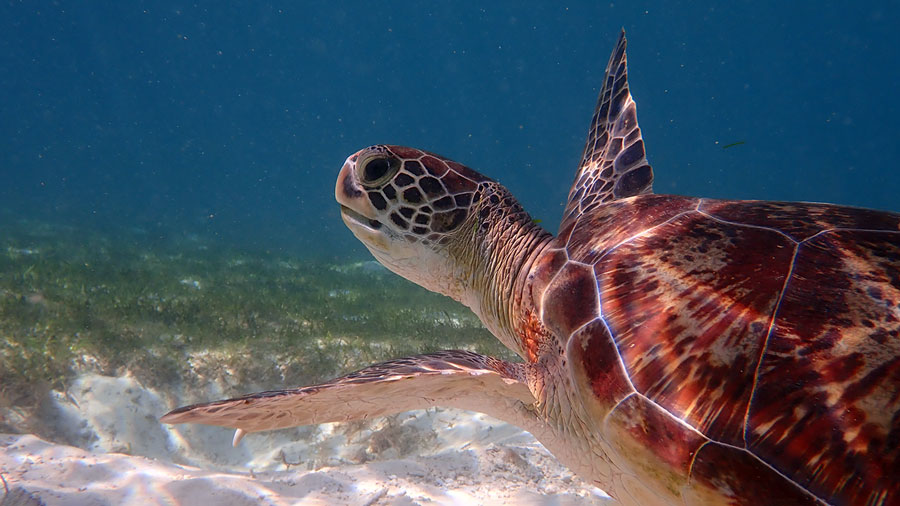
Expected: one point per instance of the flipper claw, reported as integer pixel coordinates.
(238, 435)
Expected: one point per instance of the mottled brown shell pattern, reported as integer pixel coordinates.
(741, 345)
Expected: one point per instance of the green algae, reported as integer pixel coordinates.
(122, 301)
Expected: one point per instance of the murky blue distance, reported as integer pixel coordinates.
(231, 121)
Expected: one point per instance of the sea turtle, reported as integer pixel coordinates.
(676, 350)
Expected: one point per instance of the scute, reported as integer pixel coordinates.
(828, 393)
(592, 354)
(776, 336)
(640, 430)
(750, 481)
(690, 305)
(571, 299)
(799, 220)
(620, 221)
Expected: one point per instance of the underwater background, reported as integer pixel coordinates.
(231, 119)
(167, 168)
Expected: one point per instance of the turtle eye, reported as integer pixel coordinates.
(376, 170)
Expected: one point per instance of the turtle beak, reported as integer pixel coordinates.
(356, 210)
(347, 190)
(350, 195)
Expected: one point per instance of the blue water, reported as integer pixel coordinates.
(232, 121)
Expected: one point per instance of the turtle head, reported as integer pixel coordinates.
(441, 225)
(407, 206)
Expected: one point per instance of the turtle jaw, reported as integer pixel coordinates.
(354, 219)
(391, 251)
(371, 232)
(357, 212)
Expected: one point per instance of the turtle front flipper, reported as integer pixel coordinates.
(455, 378)
(614, 164)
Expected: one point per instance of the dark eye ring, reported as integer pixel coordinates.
(376, 170)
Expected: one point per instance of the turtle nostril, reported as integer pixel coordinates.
(349, 189)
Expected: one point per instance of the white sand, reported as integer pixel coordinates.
(118, 453)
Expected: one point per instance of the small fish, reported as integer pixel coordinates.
(733, 144)
(536, 221)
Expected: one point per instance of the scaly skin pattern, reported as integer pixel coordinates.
(444, 226)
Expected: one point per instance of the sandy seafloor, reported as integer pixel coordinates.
(125, 456)
(94, 436)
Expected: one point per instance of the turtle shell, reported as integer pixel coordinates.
(746, 346)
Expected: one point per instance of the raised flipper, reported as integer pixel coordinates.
(455, 378)
(614, 164)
